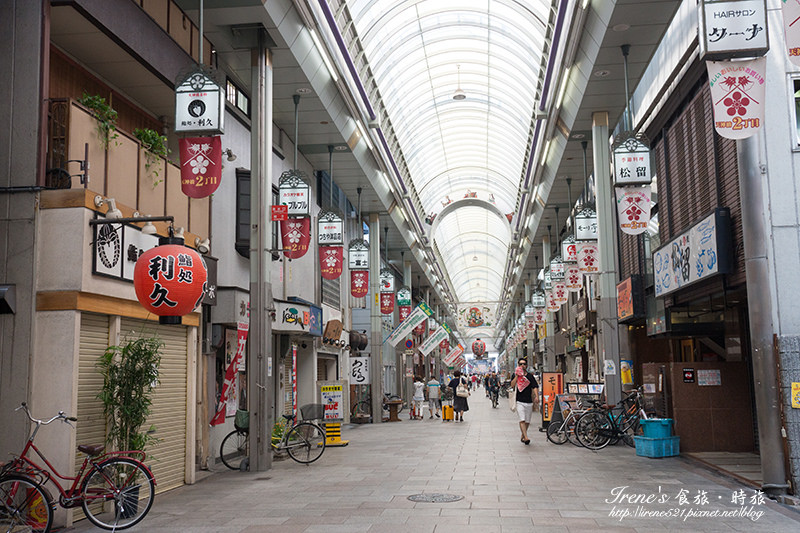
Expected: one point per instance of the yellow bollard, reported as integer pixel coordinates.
(333, 435)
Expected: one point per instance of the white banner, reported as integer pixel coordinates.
(540, 316)
(633, 208)
(433, 340)
(737, 92)
(450, 358)
(417, 317)
(573, 278)
(359, 371)
(791, 26)
(588, 257)
(552, 303)
(560, 292)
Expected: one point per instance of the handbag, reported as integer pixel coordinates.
(512, 398)
(462, 391)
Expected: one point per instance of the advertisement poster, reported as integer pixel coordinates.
(331, 395)
(626, 371)
(552, 386)
(737, 92)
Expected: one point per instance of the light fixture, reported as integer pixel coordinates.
(563, 88)
(179, 231)
(363, 134)
(112, 211)
(459, 94)
(203, 246)
(230, 155)
(149, 228)
(324, 55)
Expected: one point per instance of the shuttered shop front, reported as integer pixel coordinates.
(91, 425)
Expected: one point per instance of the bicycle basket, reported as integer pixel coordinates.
(242, 419)
(312, 411)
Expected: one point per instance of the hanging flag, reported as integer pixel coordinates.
(737, 92)
(359, 283)
(588, 257)
(433, 340)
(230, 373)
(201, 165)
(633, 208)
(791, 25)
(331, 260)
(417, 318)
(552, 303)
(387, 303)
(560, 292)
(573, 277)
(403, 311)
(295, 237)
(540, 315)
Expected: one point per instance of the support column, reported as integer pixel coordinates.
(405, 382)
(549, 356)
(529, 335)
(607, 325)
(260, 357)
(376, 339)
(760, 309)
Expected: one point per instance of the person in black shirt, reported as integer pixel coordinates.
(527, 397)
(460, 403)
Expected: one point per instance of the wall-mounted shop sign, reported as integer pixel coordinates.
(358, 254)
(295, 317)
(199, 105)
(632, 162)
(116, 252)
(548, 280)
(556, 269)
(630, 299)
(329, 228)
(294, 192)
(732, 28)
(569, 250)
(697, 254)
(404, 296)
(386, 280)
(538, 299)
(586, 225)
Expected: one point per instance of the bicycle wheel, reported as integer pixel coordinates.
(117, 493)
(361, 409)
(569, 429)
(234, 448)
(556, 433)
(25, 506)
(305, 442)
(393, 398)
(593, 430)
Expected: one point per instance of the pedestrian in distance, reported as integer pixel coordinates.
(527, 397)
(460, 403)
(418, 398)
(434, 392)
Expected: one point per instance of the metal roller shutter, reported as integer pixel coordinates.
(168, 414)
(91, 425)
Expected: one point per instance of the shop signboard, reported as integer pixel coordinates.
(294, 317)
(632, 162)
(386, 281)
(738, 93)
(404, 296)
(569, 250)
(295, 193)
(586, 225)
(552, 386)
(358, 254)
(359, 371)
(732, 28)
(116, 252)
(404, 329)
(538, 299)
(630, 299)
(702, 251)
(556, 269)
(709, 377)
(329, 229)
(331, 396)
(199, 105)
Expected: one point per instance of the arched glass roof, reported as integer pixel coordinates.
(420, 52)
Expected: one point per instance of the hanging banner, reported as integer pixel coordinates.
(331, 261)
(359, 283)
(294, 192)
(416, 318)
(552, 303)
(386, 280)
(538, 300)
(445, 345)
(433, 340)
(295, 237)
(588, 258)
(453, 356)
(475, 317)
(569, 250)
(230, 372)
(201, 165)
(633, 208)
(540, 316)
(404, 297)
(358, 254)
(387, 303)
(403, 311)
(586, 225)
(560, 292)
(737, 92)
(556, 269)
(199, 104)
(573, 278)
(791, 26)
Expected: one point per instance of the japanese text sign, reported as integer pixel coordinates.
(294, 193)
(329, 229)
(732, 28)
(199, 102)
(631, 162)
(359, 371)
(201, 165)
(791, 25)
(737, 91)
(404, 329)
(633, 209)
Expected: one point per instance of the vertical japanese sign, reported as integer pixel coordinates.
(294, 379)
(631, 162)
(331, 261)
(359, 371)
(201, 165)
(359, 283)
(552, 385)
(295, 237)
(737, 92)
(573, 277)
(230, 373)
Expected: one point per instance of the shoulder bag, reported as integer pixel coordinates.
(512, 398)
(461, 390)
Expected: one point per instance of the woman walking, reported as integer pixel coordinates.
(460, 403)
(527, 397)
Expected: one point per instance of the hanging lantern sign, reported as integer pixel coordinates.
(540, 316)
(331, 261)
(552, 303)
(538, 299)
(329, 228)
(201, 165)
(588, 257)
(737, 92)
(548, 280)
(633, 208)
(358, 254)
(560, 292)
(631, 161)
(732, 28)
(404, 297)
(199, 104)
(791, 26)
(569, 251)
(386, 280)
(295, 237)
(586, 225)
(170, 280)
(556, 269)
(359, 283)
(573, 278)
(387, 303)
(478, 348)
(295, 193)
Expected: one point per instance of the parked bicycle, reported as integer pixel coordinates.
(363, 407)
(561, 432)
(115, 489)
(600, 427)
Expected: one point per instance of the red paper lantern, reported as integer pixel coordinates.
(170, 280)
(478, 347)
(330, 261)
(359, 283)
(295, 237)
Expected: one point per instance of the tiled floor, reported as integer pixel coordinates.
(744, 466)
(506, 487)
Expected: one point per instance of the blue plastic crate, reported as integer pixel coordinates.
(661, 447)
(656, 428)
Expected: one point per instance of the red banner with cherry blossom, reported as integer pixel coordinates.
(359, 283)
(387, 303)
(404, 311)
(295, 237)
(230, 373)
(588, 257)
(331, 260)
(573, 277)
(737, 92)
(201, 165)
(633, 208)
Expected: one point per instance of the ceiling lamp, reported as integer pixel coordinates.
(459, 94)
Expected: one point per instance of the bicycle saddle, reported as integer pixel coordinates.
(91, 449)
(288, 417)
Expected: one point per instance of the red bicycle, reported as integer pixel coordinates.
(115, 489)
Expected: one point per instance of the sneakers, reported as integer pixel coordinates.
(437, 415)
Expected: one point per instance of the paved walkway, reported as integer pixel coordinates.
(506, 487)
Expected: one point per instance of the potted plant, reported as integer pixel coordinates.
(155, 146)
(130, 373)
(106, 117)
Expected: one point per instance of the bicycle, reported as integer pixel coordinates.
(597, 428)
(115, 489)
(561, 432)
(494, 394)
(235, 447)
(363, 408)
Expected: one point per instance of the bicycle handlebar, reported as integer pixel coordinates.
(60, 416)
